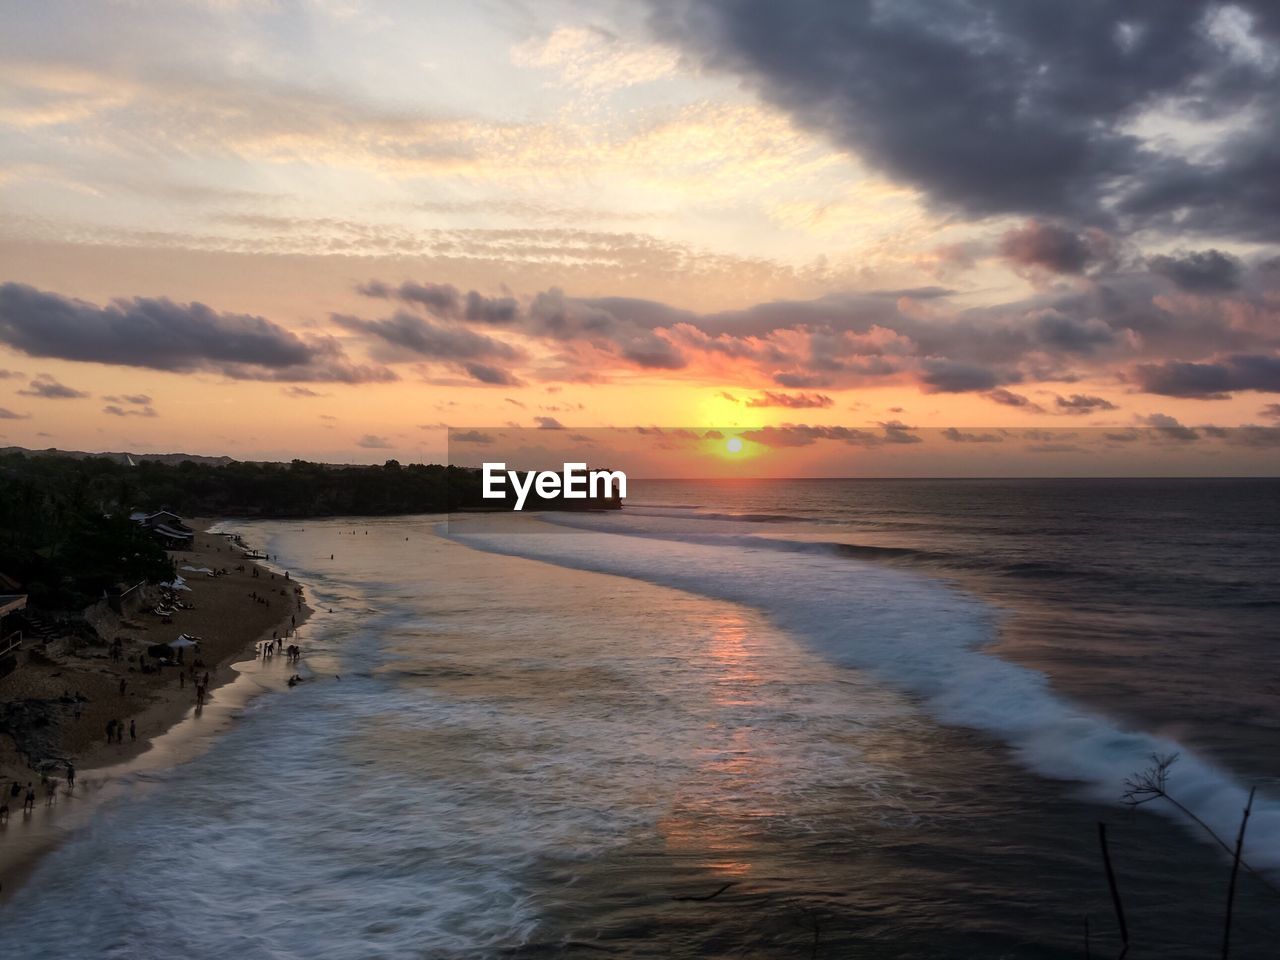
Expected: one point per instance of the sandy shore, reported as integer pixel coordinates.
(169, 726)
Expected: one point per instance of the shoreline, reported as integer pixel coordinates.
(171, 728)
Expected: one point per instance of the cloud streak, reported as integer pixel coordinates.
(159, 334)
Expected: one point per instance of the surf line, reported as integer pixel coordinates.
(574, 482)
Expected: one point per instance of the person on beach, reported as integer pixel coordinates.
(29, 801)
(4, 812)
(133, 731)
(71, 777)
(111, 731)
(124, 683)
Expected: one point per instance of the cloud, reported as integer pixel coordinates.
(595, 60)
(446, 301)
(373, 442)
(1209, 271)
(898, 432)
(302, 393)
(115, 410)
(548, 423)
(803, 435)
(11, 374)
(1209, 381)
(159, 334)
(1079, 404)
(405, 336)
(1008, 398)
(959, 436)
(953, 376)
(470, 436)
(793, 401)
(487, 373)
(137, 399)
(1054, 248)
(1097, 326)
(6, 414)
(47, 388)
(991, 111)
(1271, 411)
(1168, 427)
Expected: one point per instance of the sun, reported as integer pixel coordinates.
(733, 444)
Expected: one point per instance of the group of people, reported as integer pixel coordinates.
(269, 648)
(29, 795)
(115, 731)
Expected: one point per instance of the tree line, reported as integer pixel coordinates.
(65, 532)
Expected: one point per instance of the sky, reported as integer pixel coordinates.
(334, 229)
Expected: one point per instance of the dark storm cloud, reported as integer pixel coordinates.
(47, 388)
(159, 334)
(792, 401)
(1210, 381)
(1007, 107)
(1209, 271)
(446, 301)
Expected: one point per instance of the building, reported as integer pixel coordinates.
(11, 607)
(167, 527)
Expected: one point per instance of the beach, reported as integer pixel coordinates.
(79, 690)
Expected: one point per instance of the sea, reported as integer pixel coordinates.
(749, 719)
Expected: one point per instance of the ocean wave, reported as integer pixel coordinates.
(916, 635)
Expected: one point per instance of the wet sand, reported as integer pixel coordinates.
(170, 727)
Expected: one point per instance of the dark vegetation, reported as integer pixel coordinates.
(62, 546)
(64, 527)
